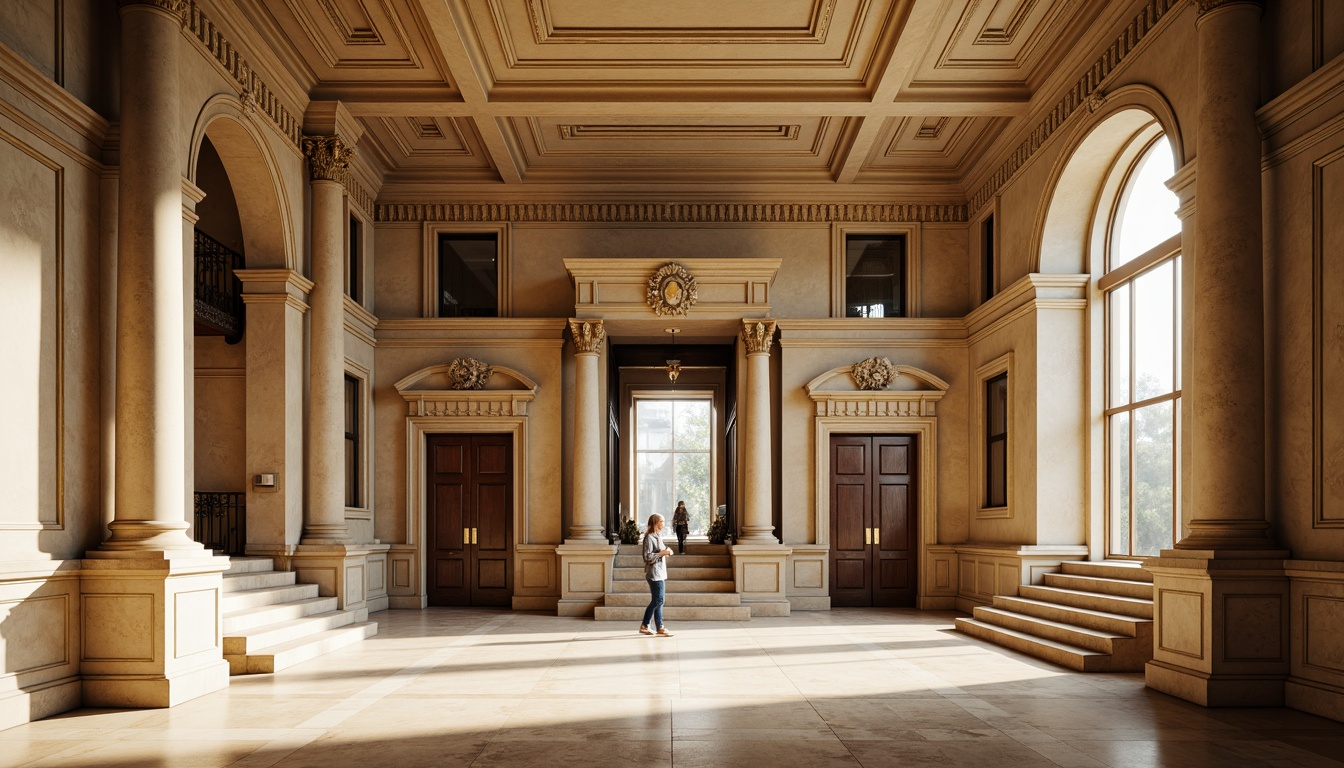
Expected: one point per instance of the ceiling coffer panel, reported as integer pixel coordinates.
(537, 42)
(928, 147)
(702, 147)
(1005, 41)
(359, 40)
(440, 142)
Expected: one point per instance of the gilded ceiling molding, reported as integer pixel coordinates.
(328, 158)
(758, 335)
(1080, 96)
(588, 335)
(253, 89)
(697, 213)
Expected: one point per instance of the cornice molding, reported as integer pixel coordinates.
(1086, 93)
(253, 91)
(644, 213)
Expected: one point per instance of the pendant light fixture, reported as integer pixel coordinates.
(673, 364)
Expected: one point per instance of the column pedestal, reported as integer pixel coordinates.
(152, 635)
(759, 577)
(585, 576)
(338, 570)
(1221, 626)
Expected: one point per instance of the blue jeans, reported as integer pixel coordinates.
(658, 589)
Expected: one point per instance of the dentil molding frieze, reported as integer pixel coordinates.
(696, 213)
(588, 335)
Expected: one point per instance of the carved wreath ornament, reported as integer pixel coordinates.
(468, 373)
(672, 290)
(874, 373)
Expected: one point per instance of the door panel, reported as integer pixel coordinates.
(469, 519)
(873, 528)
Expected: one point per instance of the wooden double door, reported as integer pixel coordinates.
(469, 519)
(874, 516)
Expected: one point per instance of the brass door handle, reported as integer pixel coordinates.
(877, 536)
(466, 536)
(867, 536)
(473, 535)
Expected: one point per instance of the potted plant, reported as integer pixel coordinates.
(718, 529)
(629, 532)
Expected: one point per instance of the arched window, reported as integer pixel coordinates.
(1142, 292)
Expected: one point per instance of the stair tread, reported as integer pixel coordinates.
(1088, 577)
(1051, 623)
(315, 618)
(317, 637)
(255, 609)
(1090, 611)
(1089, 593)
(1063, 647)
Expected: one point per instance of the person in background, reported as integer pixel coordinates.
(681, 523)
(655, 572)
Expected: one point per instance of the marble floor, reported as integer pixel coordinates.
(446, 687)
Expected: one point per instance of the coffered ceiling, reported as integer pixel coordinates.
(856, 96)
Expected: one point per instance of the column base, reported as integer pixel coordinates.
(152, 627)
(1220, 626)
(585, 575)
(758, 576)
(338, 570)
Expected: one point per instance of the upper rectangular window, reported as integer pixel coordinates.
(875, 276)
(352, 442)
(468, 275)
(987, 276)
(996, 441)
(354, 262)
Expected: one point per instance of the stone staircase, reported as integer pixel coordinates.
(272, 622)
(699, 587)
(1092, 617)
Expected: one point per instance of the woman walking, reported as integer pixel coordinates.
(655, 571)
(681, 523)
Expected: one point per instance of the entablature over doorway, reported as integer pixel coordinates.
(911, 392)
(623, 293)
(431, 392)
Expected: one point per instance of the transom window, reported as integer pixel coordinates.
(468, 275)
(875, 276)
(674, 456)
(1143, 327)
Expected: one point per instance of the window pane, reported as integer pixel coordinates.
(1147, 209)
(352, 266)
(655, 493)
(996, 476)
(1154, 332)
(1119, 483)
(351, 442)
(996, 405)
(468, 276)
(693, 432)
(693, 477)
(1117, 355)
(1154, 476)
(874, 276)
(653, 424)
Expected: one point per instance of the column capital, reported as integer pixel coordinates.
(1209, 6)
(758, 335)
(175, 8)
(328, 158)
(588, 335)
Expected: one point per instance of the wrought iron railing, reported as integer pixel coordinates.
(219, 294)
(221, 521)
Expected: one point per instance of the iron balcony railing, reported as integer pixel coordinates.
(219, 292)
(221, 521)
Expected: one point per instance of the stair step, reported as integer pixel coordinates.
(262, 615)
(679, 561)
(250, 641)
(673, 585)
(1064, 654)
(287, 654)
(1100, 585)
(1109, 569)
(692, 548)
(1104, 621)
(233, 602)
(677, 574)
(672, 613)
(239, 582)
(250, 564)
(1128, 606)
(678, 599)
(1082, 637)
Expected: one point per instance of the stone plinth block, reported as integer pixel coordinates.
(1220, 632)
(759, 576)
(337, 569)
(152, 628)
(585, 576)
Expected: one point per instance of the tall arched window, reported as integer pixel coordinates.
(1142, 292)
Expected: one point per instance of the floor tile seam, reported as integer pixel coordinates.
(934, 683)
(1038, 741)
(283, 749)
(380, 690)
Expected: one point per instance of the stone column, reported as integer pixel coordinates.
(757, 479)
(759, 561)
(150, 595)
(585, 557)
(324, 521)
(1221, 597)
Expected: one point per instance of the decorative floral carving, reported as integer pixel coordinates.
(588, 335)
(874, 373)
(672, 290)
(328, 157)
(758, 335)
(468, 373)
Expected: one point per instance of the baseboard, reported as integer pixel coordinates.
(1316, 698)
(37, 702)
